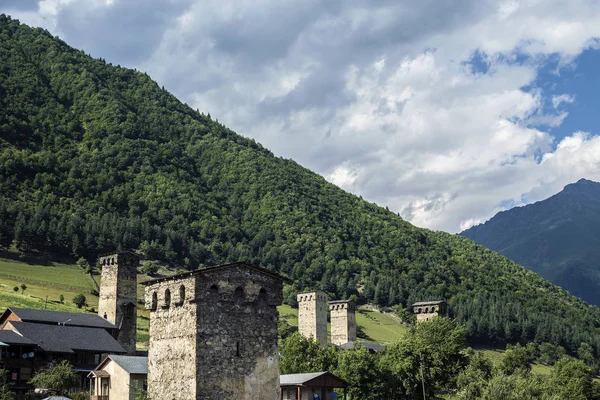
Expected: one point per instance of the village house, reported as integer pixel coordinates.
(35, 338)
(119, 377)
(311, 386)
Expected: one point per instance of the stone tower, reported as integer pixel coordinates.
(312, 316)
(118, 293)
(213, 334)
(343, 321)
(425, 310)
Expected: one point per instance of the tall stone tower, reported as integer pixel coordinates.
(213, 334)
(118, 293)
(343, 321)
(312, 316)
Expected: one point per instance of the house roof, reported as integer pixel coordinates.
(299, 379)
(428, 303)
(12, 337)
(366, 345)
(216, 268)
(131, 364)
(68, 339)
(324, 378)
(56, 317)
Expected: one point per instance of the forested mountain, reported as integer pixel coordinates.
(95, 157)
(558, 238)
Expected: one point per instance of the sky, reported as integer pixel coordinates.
(444, 111)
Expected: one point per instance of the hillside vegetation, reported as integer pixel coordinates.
(559, 238)
(96, 157)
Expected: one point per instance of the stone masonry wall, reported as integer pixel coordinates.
(343, 322)
(172, 349)
(237, 353)
(118, 296)
(219, 344)
(425, 313)
(312, 316)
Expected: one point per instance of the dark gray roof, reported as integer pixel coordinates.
(299, 379)
(56, 317)
(131, 364)
(366, 345)
(67, 339)
(428, 303)
(12, 337)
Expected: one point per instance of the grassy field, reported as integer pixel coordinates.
(495, 355)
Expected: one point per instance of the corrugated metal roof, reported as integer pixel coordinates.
(299, 379)
(56, 317)
(131, 364)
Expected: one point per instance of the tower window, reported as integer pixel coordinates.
(129, 310)
(167, 299)
(238, 293)
(237, 349)
(262, 296)
(154, 302)
(181, 294)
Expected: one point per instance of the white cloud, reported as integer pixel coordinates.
(419, 106)
(344, 175)
(563, 98)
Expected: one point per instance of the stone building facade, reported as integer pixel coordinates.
(425, 310)
(312, 315)
(343, 321)
(118, 294)
(213, 334)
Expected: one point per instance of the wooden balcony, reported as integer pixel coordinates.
(95, 397)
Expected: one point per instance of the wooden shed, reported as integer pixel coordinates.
(311, 386)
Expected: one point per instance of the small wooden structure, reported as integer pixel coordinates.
(311, 386)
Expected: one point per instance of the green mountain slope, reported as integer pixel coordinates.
(559, 238)
(95, 157)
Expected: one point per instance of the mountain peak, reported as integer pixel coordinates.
(584, 186)
(558, 237)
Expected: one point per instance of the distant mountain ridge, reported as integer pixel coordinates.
(559, 238)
